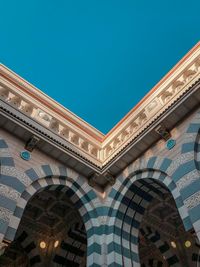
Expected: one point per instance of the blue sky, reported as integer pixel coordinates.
(98, 58)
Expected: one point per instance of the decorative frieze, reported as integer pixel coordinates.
(86, 144)
(150, 109)
(49, 121)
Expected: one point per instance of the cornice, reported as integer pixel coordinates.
(35, 94)
(84, 139)
(158, 102)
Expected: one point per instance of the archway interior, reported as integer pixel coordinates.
(163, 241)
(51, 233)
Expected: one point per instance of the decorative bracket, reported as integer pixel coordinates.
(31, 144)
(163, 132)
(107, 179)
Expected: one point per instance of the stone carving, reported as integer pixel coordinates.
(54, 125)
(65, 133)
(44, 116)
(9, 192)
(193, 200)
(15, 101)
(5, 214)
(4, 92)
(152, 105)
(26, 108)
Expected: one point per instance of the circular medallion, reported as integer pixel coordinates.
(170, 144)
(25, 155)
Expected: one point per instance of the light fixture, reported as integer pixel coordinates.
(173, 244)
(43, 244)
(188, 243)
(56, 243)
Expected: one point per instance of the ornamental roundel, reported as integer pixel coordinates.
(170, 144)
(25, 155)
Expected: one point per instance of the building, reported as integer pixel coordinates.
(71, 196)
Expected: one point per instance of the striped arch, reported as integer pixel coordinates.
(7, 166)
(30, 248)
(163, 246)
(136, 187)
(75, 186)
(72, 250)
(187, 175)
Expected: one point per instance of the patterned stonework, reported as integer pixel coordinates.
(13, 172)
(9, 192)
(180, 160)
(4, 152)
(188, 179)
(5, 214)
(193, 200)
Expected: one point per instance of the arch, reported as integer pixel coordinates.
(157, 168)
(188, 180)
(135, 188)
(61, 178)
(51, 175)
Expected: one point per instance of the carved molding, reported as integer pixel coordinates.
(151, 109)
(48, 121)
(92, 143)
